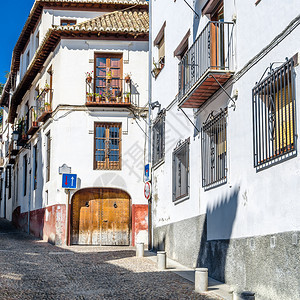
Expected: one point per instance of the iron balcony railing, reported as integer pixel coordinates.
(43, 104)
(31, 120)
(212, 50)
(114, 91)
(22, 128)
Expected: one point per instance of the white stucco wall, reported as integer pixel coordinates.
(250, 203)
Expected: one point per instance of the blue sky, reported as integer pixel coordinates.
(13, 17)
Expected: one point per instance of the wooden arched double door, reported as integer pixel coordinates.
(100, 216)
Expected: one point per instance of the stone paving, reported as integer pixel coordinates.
(33, 269)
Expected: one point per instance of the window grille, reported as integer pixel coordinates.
(158, 131)
(274, 130)
(24, 175)
(214, 151)
(181, 171)
(107, 146)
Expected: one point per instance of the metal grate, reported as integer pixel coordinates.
(158, 131)
(107, 146)
(181, 170)
(274, 130)
(214, 151)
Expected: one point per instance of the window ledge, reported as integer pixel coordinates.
(158, 164)
(181, 199)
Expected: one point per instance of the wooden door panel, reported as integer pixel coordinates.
(101, 217)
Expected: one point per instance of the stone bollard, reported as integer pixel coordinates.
(161, 260)
(139, 249)
(201, 280)
(243, 296)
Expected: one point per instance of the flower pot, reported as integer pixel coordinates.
(98, 99)
(127, 79)
(126, 99)
(89, 99)
(24, 136)
(47, 108)
(34, 124)
(89, 79)
(108, 77)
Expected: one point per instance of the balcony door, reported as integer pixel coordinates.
(217, 54)
(108, 75)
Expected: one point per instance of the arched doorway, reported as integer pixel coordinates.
(100, 216)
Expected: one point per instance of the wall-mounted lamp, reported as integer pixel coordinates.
(155, 104)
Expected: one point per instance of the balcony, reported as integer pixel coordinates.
(43, 105)
(31, 120)
(111, 92)
(207, 65)
(22, 133)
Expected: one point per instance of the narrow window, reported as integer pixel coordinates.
(37, 41)
(24, 175)
(35, 167)
(67, 22)
(214, 150)
(48, 153)
(9, 168)
(46, 197)
(159, 42)
(27, 59)
(181, 171)
(159, 139)
(107, 146)
(274, 129)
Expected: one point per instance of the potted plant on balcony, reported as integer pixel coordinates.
(127, 77)
(89, 77)
(34, 122)
(108, 74)
(47, 107)
(89, 97)
(46, 87)
(119, 96)
(97, 97)
(127, 97)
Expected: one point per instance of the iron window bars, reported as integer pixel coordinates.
(274, 129)
(181, 170)
(158, 132)
(107, 151)
(214, 150)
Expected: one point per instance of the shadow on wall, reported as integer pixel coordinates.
(216, 235)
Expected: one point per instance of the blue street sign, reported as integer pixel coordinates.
(147, 174)
(69, 181)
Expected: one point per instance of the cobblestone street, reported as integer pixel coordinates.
(33, 269)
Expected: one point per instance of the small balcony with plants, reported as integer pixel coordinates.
(207, 65)
(31, 119)
(43, 104)
(111, 91)
(21, 132)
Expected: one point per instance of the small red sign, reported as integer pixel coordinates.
(147, 190)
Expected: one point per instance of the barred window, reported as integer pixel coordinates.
(181, 171)
(214, 151)
(274, 131)
(107, 155)
(158, 130)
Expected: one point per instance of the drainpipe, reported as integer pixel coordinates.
(29, 202)
(150, 227)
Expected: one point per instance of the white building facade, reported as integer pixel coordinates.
(75, 99)
(225, 163)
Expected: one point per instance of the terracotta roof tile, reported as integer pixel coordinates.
(136, 21)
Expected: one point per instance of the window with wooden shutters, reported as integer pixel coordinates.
(158, 131)
(273, 99)
(214, 150)
(107, 146)
(108, 75)
(181, 171)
